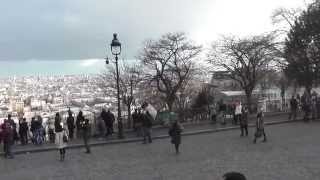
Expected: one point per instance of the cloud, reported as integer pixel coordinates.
(90, 62)
(82, 29)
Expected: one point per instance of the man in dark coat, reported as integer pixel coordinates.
(109, 120)
(294, 108)
(70, 124)
(23, 131)
(146, 127)
(84, 124)
(175, 133)
(244, 121)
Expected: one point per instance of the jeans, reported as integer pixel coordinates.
(7, 148)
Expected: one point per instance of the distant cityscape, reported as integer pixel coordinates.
(29, 96)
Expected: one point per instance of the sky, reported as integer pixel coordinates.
(73, 36)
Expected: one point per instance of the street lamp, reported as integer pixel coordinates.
(116, 50)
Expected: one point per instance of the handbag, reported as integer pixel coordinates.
(65, 137)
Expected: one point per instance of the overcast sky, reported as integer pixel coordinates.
(82, 29)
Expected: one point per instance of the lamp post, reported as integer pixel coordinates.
(116, 50)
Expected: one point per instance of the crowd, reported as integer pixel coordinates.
(60, 132)
(308, 104)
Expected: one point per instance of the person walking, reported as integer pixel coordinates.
(7, 138)
(175, 134)
(260, 127)
(70, 124)
(61, 136)
(23, 131)
(84, 124)
(293, 107)
(146, 127)
(244, 121)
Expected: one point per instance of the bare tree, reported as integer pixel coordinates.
(285, 16)
(129, 79)
(246, 59)
(171, 62)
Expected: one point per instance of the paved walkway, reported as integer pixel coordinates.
(292, 152)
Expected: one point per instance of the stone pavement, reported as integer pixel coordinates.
(161, 132)
(291, 153)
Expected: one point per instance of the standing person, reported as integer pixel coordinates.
(84, 125)
(60, 133)
(134, 119)
(112, 119)
(313, 105)
(23, 131)
(13, 128)
(51, 130)
(138, 123)
(237, 112)
(33, 129)
(175, 133)
(260, 127)
(8, 139)
(107, 121)
(70, 124)
(213, 114)
(222, 112)
(146, 127)
(293, 107)
(306, 105)
(244, 121)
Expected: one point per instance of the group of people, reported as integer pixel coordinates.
(9, 135)
(142, 124)
(64, 133)
(309, 103)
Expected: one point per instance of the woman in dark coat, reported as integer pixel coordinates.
(175, 133)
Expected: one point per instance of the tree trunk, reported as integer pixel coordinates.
(170, 102)
(249, 102)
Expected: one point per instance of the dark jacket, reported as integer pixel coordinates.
(175, 133)
(57, 125)
(84, 123)
(23, 128)
(70, 122)
(146, 120)
(7, 133)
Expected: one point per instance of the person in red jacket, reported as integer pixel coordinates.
(7, 137)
